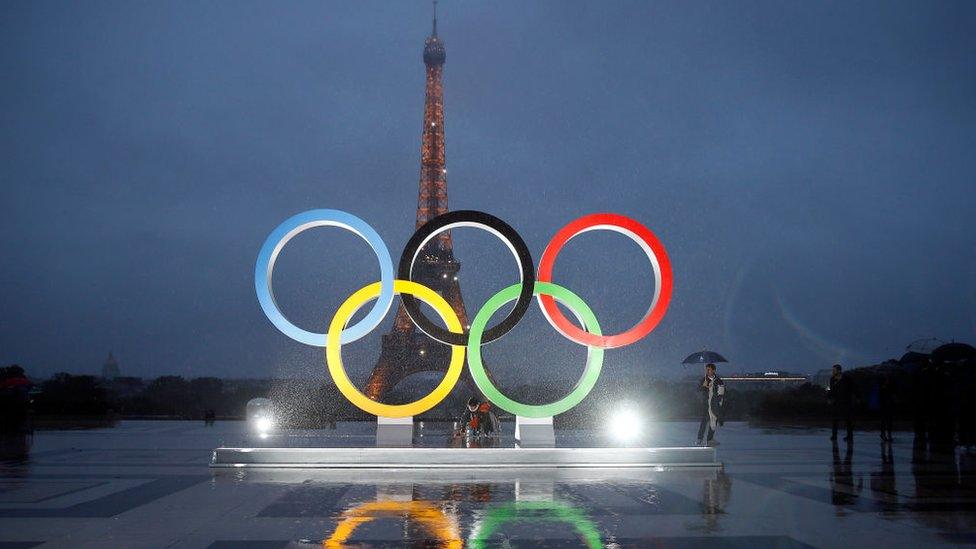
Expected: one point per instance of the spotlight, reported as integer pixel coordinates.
(260, 416)
(625, 425)
(263, 424)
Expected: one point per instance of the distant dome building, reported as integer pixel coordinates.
(110, 370)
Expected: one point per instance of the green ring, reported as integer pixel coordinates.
(538, 511)
(594, 355)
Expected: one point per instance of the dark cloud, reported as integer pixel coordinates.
(808, 165)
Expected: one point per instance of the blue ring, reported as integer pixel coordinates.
(264, 269)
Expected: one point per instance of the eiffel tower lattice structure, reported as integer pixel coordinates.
(406, 350)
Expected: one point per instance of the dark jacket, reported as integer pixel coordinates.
(718, 395)
(840, 392)
(886, 395)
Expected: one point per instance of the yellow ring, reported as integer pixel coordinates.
(333, 350)
(430, 517)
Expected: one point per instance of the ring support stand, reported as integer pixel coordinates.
(394, 431)
(535, 432)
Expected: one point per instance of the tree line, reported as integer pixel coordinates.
(925, 392)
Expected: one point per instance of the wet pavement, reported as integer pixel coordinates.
(146, 484)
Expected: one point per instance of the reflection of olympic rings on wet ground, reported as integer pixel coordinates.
(426, 514)
(535, 511)
(541, 285)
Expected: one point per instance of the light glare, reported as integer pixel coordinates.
(263, 424)
(625, 425)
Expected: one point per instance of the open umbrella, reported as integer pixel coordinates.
(954, 352)
(704, 357)
(924, 346)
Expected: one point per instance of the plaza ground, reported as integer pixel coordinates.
(147, 484)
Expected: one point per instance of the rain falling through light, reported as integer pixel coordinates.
(625, 424)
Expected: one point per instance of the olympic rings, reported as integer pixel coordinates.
(429, 516)
(663, 278)
(541, 286)
(264, 269)
(333, 351)
(480, 220)
(594, 355)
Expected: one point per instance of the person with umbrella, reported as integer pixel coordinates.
(712, 394)
(14, 401)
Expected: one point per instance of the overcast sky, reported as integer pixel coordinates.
(809, 166)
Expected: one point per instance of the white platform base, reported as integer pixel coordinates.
(460, 458)
(464, 475)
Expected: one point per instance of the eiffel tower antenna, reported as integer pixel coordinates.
(434, 33)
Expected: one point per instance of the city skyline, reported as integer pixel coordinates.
(812, 214)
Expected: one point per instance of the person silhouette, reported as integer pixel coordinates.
(840, 396)
(886, 398)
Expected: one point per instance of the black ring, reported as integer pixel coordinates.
(484, 221)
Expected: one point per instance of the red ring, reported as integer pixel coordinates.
(637, 232)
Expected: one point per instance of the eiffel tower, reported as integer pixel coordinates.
(406, 350)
